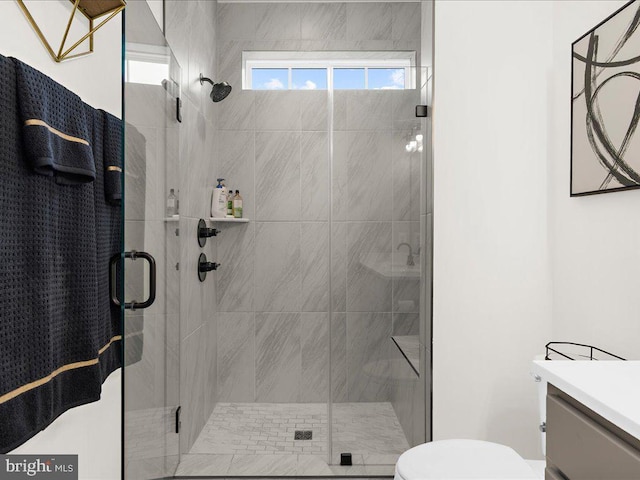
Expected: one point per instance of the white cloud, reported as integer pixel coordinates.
(274, 84)
(397, 77)
(309, 85)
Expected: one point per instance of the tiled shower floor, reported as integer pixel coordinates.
(258, 439)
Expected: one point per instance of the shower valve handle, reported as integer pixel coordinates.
(209, 232)
(208, 266)
(204, 267)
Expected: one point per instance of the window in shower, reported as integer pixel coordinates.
(277, 70)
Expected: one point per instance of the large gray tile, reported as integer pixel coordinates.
(137, 150)
(237, 111)
(236, 21)
(191, 315)
(235, 282)
(145, 105)
(314, 344)
(199, 465)
(339, 262)
(368, 244)
(369, 176)
(314, 109)
(368, 352)
(277, 357)
(339, 357)
(277, 176)
(369, 109)
(314, 165)
(314, 259)
(236, 357)
(275, 465)
(321, 21)
(368, 21)
(277, 267)
(144, 354)
(278, 110)
(191, 389)
(210, 366)
(339, 175)
(277, 21)
(236, 156)
(406, 177)
(406, 21)
(230, 63)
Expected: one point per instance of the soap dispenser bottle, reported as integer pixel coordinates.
(219, 200)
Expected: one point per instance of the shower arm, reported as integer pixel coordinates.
(205, 79)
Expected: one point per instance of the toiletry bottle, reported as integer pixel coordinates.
(230, 203)
(219, 200)
(237, 205)
(171, 204)
(177, 203)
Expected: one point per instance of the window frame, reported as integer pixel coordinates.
(328, 60)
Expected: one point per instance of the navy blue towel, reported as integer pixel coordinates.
(60, 336)
(112, 158)
(54, 128)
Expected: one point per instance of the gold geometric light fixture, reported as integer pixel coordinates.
(92, 10)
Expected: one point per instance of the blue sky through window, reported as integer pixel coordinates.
(309, 78)
(348, 78)
(270, 79)
(386, 78)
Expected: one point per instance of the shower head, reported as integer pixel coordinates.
(219, 91)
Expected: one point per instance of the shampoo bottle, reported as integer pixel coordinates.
(237, 205)
(230, 203)
(172, 204)
(219, 200)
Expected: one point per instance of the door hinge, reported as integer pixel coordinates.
(178, 421)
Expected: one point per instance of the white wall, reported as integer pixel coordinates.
(492, 279)
(596, 239)
(92, 431)
(95, 78)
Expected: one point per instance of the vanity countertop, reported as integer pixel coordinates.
(609, 388)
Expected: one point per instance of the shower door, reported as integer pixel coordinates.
(151, 373)
(380, 328)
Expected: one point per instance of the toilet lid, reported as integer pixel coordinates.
(462, 459)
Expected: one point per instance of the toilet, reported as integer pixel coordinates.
(458, 459)
(469, 459)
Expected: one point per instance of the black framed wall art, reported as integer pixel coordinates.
(605, 105)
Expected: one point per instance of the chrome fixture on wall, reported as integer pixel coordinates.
(219, 91)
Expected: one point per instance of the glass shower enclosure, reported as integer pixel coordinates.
(323, 300)
(151, 346)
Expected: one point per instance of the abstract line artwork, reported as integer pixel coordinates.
(605, 105)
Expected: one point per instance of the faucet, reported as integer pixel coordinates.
(410, 262)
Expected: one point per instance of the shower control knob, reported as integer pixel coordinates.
(205, 232)
(208, 266)
(204, 266)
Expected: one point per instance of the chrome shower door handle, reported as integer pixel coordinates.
(113, 267)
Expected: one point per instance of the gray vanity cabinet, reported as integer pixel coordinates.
(581, 445)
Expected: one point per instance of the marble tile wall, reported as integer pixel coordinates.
(273, 293)
(190, 29)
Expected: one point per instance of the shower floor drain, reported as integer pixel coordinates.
(303, 435)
